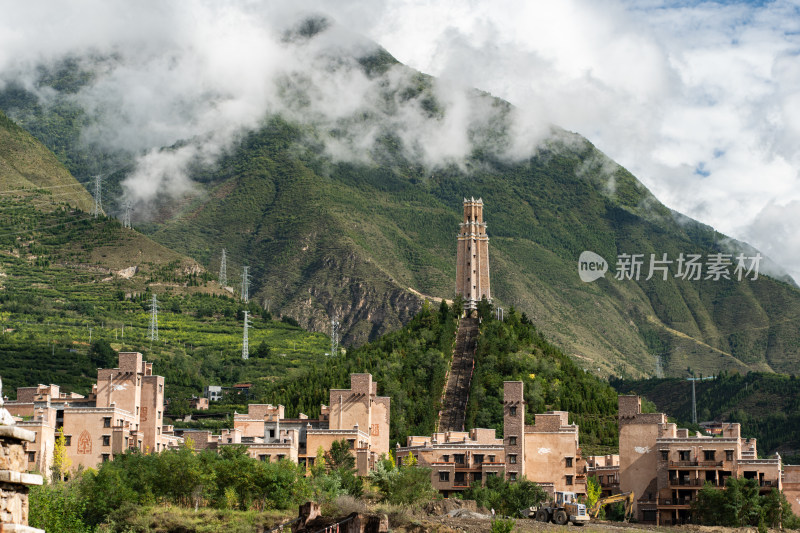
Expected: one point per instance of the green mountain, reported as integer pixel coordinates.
(361, 239)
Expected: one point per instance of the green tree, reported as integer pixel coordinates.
(593, 491)
(506, 497)
(61, 461)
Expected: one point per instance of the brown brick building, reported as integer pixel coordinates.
(666, 466)
(124, 410)
(547, 452)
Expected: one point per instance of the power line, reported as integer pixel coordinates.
(245, 284)
(245, 343)
(98, 196)
(153, 332)
(126, 219)
(223, 269)
(334, 337)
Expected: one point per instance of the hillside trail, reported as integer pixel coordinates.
(456, 395)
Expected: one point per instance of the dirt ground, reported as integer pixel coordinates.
(446, 524)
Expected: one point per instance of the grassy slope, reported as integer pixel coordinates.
(59, 274)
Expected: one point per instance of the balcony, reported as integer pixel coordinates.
(699, 464)
(683, 482)
(674, 502)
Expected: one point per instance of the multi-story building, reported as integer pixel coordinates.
(356, 415)
(606, 469)
(124, 410)
(472, 257)
(457, 458)
(666, 466)
(547, 452)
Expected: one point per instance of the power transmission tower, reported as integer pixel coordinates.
(245, 343)
(694, 404)
(334, 337)
(223, 269)
(98, 196)
(126, 219)
(498, 313)
(153, 333)
(245, 284)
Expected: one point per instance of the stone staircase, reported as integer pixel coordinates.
(456, 393)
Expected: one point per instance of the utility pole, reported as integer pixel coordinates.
(245, 343)
(126, 219)
(153, 333)
(245, 284)
(223, 269)
(98, 196)
(334, 337)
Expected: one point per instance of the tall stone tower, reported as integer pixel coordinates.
(472, 263)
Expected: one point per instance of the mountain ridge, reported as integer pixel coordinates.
(327, 237)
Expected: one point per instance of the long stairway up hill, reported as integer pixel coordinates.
(454, 404)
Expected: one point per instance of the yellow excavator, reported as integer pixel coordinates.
(626, 497)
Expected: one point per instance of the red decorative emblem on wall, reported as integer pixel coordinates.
(143, 417)
(85, 443)
(376, 430)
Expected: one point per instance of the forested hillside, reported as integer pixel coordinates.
(409, 365)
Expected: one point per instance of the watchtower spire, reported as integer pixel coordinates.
(472, 262)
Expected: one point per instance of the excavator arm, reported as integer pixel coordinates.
(626, 497)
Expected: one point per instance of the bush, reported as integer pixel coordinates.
(57, 507)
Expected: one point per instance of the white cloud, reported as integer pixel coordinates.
(701, 101)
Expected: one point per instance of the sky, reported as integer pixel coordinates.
(699, 100)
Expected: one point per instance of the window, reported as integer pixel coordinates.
(159, 415)
(708, 455)
(664, 455)
(106, 457)
(351, 443)
(490, 474)
(311, 461)
(569, 480)
(683, 455)
(444, 476)
(106, 440)
(137, 409)
(459, 458)
(459, 477)
(281, 457)
(512, 410)
(67, 440)
(492, 458)
(512, 441)
(478, 459)
(512, 459)
(568, 461)
(446, 458)
(107, 422)
(158, 431)
(512, 476)
(272, 433)
(160, 387)
(31, 457)
(264, 458)
(729, 455)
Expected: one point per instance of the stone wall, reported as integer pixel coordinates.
(14, 482)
